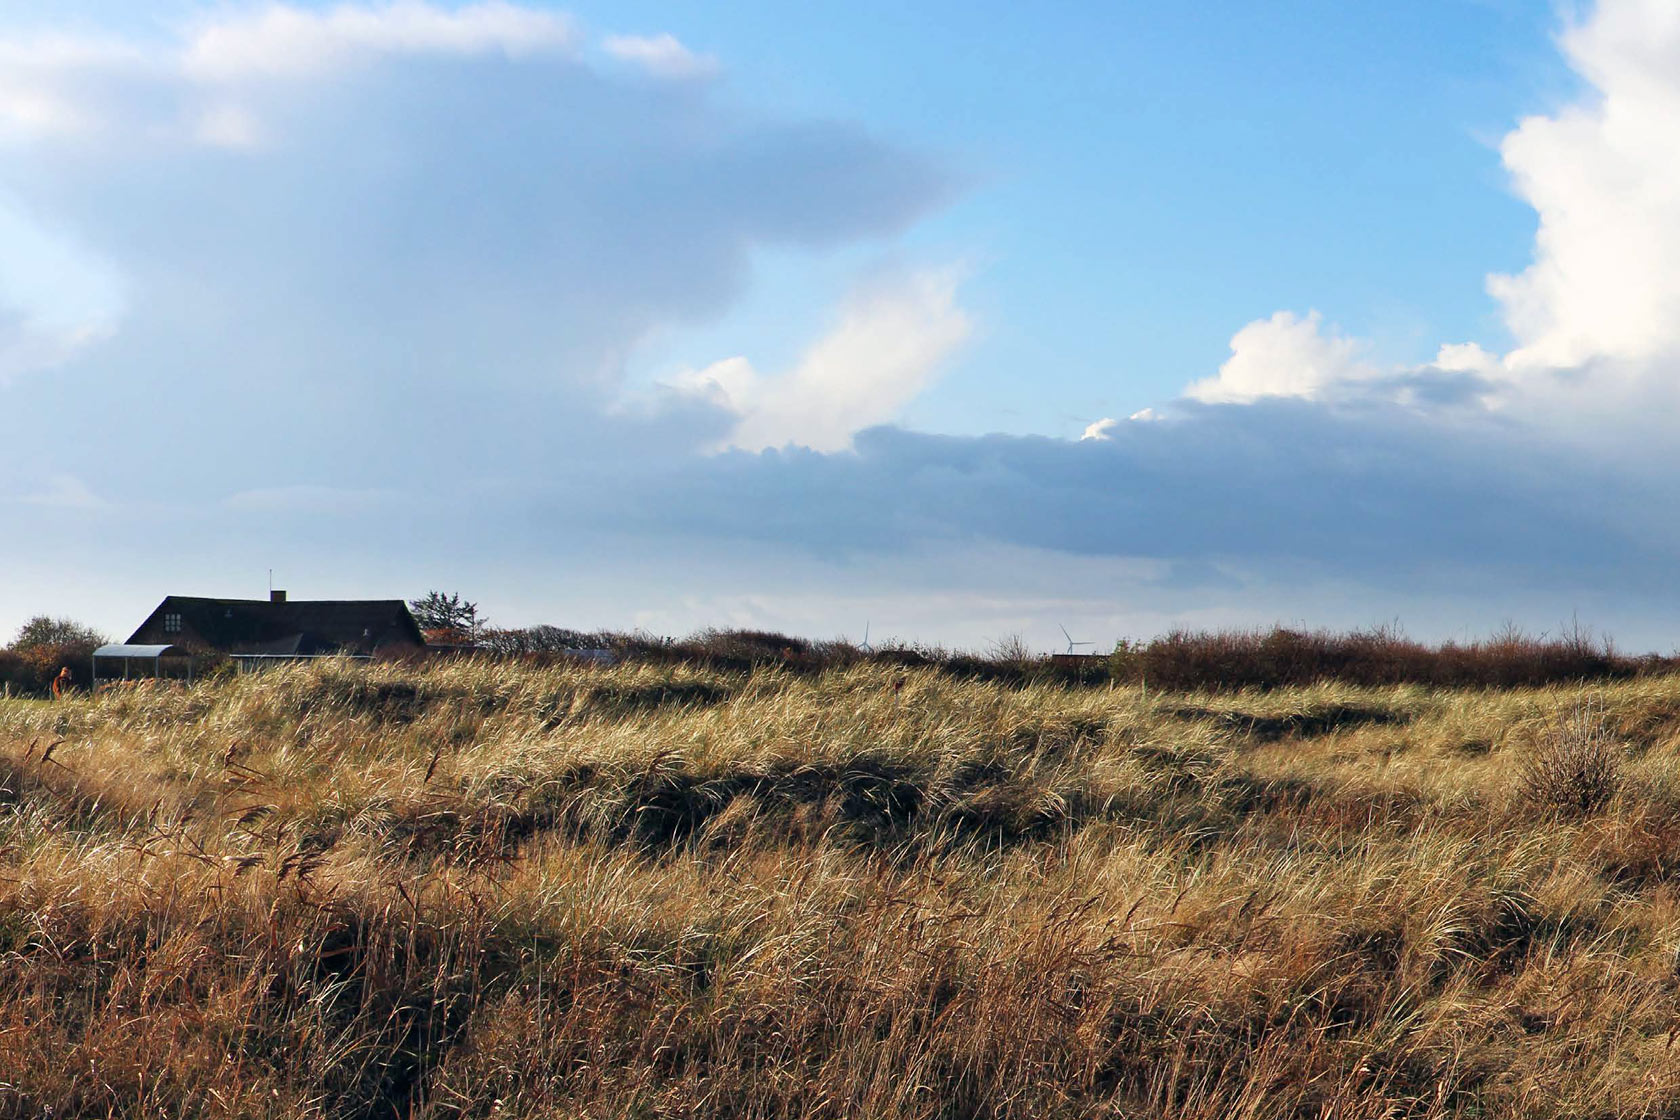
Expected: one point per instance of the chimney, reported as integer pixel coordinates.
(276, 596)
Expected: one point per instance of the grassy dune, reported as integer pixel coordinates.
(476, 890)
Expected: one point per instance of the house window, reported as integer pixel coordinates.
(171, 624)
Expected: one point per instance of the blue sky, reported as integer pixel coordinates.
(796, 315)
(1143, 176)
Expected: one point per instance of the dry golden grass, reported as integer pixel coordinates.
(487, 891)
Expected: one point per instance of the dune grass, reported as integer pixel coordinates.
(476, 889)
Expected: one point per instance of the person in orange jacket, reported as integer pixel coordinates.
(62, 684)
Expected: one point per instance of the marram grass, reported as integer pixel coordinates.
(483, 890)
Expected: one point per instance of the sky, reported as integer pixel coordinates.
(951, 322)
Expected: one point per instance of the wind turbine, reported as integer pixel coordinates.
(1071, 642)
(865, 646)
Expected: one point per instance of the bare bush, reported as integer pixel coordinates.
(1280, 657)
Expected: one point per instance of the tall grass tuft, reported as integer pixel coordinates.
(1576, 768)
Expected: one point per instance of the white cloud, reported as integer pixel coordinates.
(1291, 357)
(1284, 356)
(282, 40)
(1595, 318)
(61, 86)
(663, 55)
(1108, 428)
(1604, 177)
(889, 344)
(1468, 357)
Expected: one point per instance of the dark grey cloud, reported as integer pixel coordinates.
(1379, 494)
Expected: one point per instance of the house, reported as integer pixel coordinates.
(256, 631)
